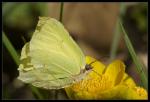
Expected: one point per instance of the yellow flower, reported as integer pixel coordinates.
(109, 82)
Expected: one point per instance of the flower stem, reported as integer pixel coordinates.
(61, 12)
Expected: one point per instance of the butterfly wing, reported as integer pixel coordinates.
(53, 57)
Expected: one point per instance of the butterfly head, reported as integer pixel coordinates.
(88, 67)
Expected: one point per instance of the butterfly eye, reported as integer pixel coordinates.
(88, 67)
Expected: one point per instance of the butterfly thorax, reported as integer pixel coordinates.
(83, 73)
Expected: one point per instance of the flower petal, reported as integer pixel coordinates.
(128, 81)
(115, 72)
(124, 92)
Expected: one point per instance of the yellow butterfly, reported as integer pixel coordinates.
(52, 59)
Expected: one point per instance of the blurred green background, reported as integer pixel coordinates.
(92, 25)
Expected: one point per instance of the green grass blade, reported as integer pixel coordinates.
(115, 42)
(117, 34)
(61, 11)
(136, 60)
(10, 48)
(36, 92)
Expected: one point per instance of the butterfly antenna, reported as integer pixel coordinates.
(92, 62)
(97, 73)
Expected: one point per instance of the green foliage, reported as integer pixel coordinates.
(23, 15)
(139, 15)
